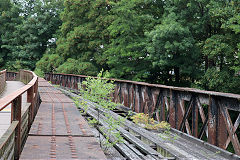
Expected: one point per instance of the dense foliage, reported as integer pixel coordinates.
(27, 29)
(193, 43)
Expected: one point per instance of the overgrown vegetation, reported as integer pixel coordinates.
(192, 43)
(162, 128)
(149, 123)
(98, 90)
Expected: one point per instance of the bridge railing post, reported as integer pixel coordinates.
(35, 93)
(2, 80)
(222, 131)
(30, 99)
(16, 116)
(5, 75)
(213, 120)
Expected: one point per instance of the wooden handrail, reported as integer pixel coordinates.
(15, 99)
(5, 101)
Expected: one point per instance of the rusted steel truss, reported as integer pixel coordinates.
(202, 114)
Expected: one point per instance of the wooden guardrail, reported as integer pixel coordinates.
(11, 143)
(2, 80)
(211, 116)
(12, 76)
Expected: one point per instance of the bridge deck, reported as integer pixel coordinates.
(59, 131)
(5, 115)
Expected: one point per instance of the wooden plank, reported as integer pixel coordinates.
(63, 132)
(42, 124)
(40, 147)
(123, 148)
(188, 152)
(111, 152)
(142, 146)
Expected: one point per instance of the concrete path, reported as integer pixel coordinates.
(5, 115)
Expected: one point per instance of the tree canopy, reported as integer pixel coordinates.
(191, 43)
(29, 26)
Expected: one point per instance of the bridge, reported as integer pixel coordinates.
(44, 125)
(47, 125)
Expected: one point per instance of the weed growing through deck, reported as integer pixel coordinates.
(166, 135)
(98, 90)
(145, 121)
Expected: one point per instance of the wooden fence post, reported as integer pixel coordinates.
(16, 116)
(30, 96)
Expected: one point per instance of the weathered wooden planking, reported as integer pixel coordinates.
(53, 97)
(49, 90)
(137, 154)
(180, 148)
(123, 148)
(43, 83)
(142, 146)
(58, 147)
(59, 131)
(111, 152)
(63, 115)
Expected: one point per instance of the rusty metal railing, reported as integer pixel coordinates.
(211, 116)
(12, 141)
(2, 80)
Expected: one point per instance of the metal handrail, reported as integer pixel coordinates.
(202, 114)
(185, 89)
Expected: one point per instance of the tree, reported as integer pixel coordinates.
(172, 48)
(221, 48)
(9, 18)
(178, 42)
(83, 33)
(233, 24)
(77, 67)
(49, 62)
(30, 39)
(126, 52)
